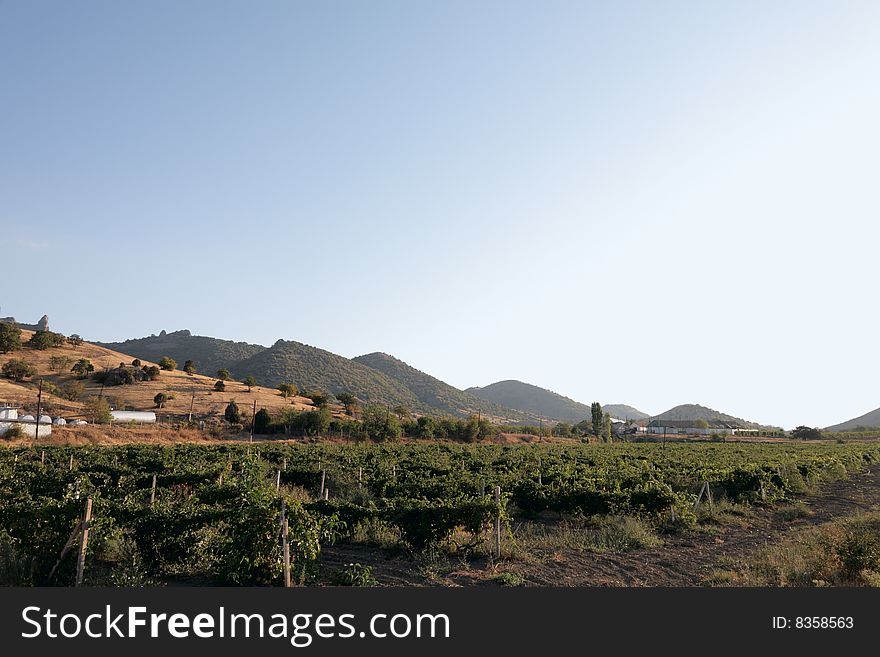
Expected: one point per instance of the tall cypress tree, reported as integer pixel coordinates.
(597, 418)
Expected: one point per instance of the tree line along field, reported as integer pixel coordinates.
(214, 516)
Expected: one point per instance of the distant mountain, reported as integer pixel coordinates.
(439, 395)
(871, 420)
(624, 412)
(697, 412)
(311, 368)
(209, 354)
(533, 400)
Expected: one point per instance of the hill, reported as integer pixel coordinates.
(871, 420)
(311, 368)
(209, 354)
(437, 394)
(624, 412)
(697, 412)
(533, 400)
(186, 390)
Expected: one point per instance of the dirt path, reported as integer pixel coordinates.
(685, 560)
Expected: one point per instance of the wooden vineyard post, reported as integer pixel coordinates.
(278, 481)
(323, 478)
(482, 488)
(221, 480)
(360, 477)
(83, 542)
(153, 492)
(71, 463)
(284, 466)
(498, 522)
(43, 459)
(700, 496)
(327, 493)
(39, 412)
(709, 495)
(253, 420)
(763, 492)
(285, 544)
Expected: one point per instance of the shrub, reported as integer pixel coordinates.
(220, 386)
(75, 340)
(160, 400)
(136, 362)
(223, 374)
(858, 550)
(168, 363)
(18, 370)
(354, 574)
(151, 371)
(189, 367)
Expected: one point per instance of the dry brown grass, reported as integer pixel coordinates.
(207, 401)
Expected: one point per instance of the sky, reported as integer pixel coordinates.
(649, 203)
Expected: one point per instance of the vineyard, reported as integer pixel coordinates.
(210, 515)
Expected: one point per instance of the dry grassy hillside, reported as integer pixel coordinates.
(138, 396)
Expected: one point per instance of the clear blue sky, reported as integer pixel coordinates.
(642, 202)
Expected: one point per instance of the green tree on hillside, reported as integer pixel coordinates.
(249, 381)
(347, 400)
(261, 421)
(10, 338)
(75, 340)
(189, 367)
(73, 390)
(232, 414)
(220, 386)
(168, 363)
(380, 424)
(319, 398)
(597, 418)
(18, 370)
(160, 400)
(43, 340)
(98, 409)
(60, 363)
(136, 362)
(223, 374)
(288, 390)
(82, 368)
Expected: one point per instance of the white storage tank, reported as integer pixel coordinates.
(138, 417)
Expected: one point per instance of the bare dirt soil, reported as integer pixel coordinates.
(683, 560)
